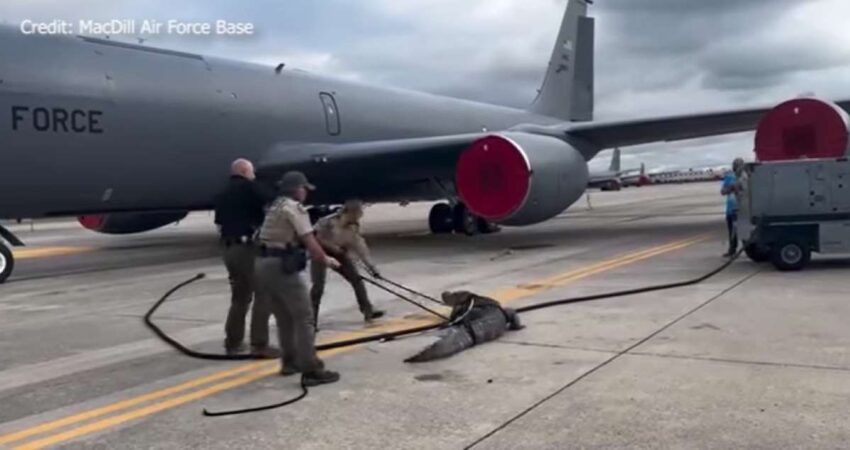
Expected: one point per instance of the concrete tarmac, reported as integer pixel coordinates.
(751, 358)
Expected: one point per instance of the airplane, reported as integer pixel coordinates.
(694, 174)
(636, 179)
(130, 138)
(608, 180)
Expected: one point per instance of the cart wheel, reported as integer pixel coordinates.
(790, 255)
(757, 253)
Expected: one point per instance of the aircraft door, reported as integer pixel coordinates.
(332, 121)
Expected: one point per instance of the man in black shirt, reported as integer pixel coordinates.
(239, 212)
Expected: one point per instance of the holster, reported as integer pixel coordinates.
(292, 259)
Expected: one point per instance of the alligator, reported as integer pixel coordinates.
(474, 320)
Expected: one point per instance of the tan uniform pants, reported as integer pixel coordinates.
(318, 277)
(289, 302)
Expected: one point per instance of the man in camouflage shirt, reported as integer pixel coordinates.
(339, 235)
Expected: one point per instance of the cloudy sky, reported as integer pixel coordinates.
(654, 57)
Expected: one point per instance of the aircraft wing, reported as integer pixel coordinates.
(406, 168)
(392, 158)
(410, 166)
(604, 135)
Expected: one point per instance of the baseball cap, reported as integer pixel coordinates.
(293, 180)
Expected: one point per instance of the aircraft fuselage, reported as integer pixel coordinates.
(90, 125)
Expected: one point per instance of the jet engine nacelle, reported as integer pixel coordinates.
(127, 223)
(517, 178)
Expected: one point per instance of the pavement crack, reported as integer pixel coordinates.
(744, 361)
(608, 361)
(546, 345)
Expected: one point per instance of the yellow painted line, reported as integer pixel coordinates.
(259, 370)
(97, 412)
(107, 409)
(44, 252)
(529, 289)
(157, 407)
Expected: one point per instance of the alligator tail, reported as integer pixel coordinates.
(455, 340)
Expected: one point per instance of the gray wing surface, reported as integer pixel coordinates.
(403, 158)
(407, 168)
(373, 169)
(604, 135)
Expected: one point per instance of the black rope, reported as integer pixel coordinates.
(409, 290)
(402, 296)
(657, 287)
(395, 334)
(177, 345)
(232, 412)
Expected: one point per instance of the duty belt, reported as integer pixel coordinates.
(237, 240)
(272, 252)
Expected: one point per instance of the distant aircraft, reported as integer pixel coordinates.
(132, 137)
(694, 174)
(640, 178)
(608, 180)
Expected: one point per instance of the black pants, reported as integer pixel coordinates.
(732, 228)
(318, 275)
(239, 260)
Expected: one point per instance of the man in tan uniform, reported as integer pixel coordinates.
(284, 236)
(339, 235)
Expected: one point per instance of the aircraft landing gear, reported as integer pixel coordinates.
(441, 219)
(317, 212)
(464, 221)
(7, 260)
(445, 219)
(485, 227)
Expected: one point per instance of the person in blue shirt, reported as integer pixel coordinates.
(731, 189)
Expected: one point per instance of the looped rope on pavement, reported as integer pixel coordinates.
(395, 334)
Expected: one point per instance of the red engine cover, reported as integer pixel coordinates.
(493, 177)
(803, 128)
(92, 222)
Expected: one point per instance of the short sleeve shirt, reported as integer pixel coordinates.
(333, 230)
(286, 221)
(731, 200)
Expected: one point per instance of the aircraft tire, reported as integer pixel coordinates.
(7, 262)
(485, 227)
(440, 219)
(464, 221)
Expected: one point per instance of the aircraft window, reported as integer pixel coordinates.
(332, 121)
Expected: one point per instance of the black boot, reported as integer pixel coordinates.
(372, 315)
(318, 377)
